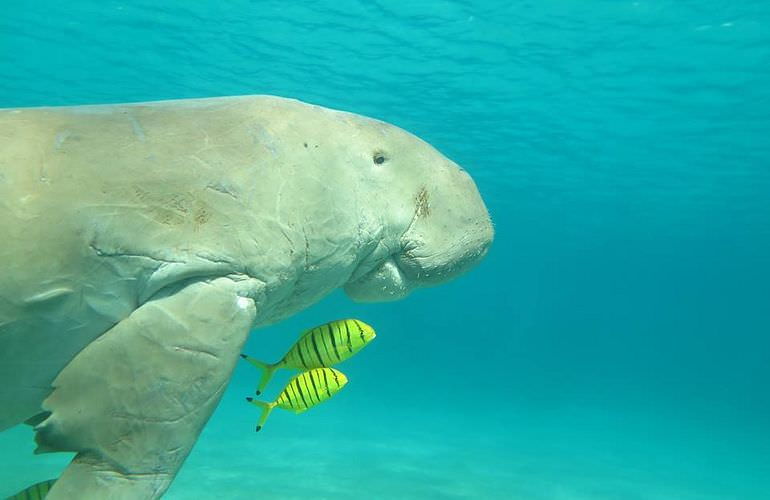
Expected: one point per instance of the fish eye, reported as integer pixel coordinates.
(379, 158)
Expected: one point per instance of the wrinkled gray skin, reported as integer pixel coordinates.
(141, 243)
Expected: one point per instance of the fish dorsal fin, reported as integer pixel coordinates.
(307, 332)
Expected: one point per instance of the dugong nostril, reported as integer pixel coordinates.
(379, 158)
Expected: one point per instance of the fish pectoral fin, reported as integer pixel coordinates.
(133, 402)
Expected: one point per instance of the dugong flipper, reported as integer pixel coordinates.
(133, 402)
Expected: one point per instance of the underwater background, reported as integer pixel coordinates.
(615, 343)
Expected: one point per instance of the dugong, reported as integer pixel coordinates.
(141, 243)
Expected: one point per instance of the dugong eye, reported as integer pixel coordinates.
(379, 158)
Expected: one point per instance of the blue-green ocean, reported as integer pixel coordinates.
(614, 344)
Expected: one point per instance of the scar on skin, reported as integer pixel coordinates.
(422, 203)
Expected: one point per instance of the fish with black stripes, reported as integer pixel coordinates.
(319, 347)
(37, 491)
(303, 391)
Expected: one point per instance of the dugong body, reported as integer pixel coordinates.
(142, 242)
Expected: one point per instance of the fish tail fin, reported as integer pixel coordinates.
(267, 371)
(266, 409)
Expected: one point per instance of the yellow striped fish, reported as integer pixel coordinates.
(37, 491)
(304, 391)
(319, 347)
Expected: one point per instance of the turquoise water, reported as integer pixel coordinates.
(615, 344)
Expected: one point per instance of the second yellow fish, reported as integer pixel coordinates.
(303, 392)
(319, 347)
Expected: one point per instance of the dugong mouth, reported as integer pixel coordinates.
(418, 265)
(384, 283)
(415, 267)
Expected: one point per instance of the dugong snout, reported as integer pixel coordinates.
(450, 233)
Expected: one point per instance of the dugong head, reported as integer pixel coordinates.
(435, 225)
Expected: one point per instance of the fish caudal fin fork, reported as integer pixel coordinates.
(267, 372)
(267, 408)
